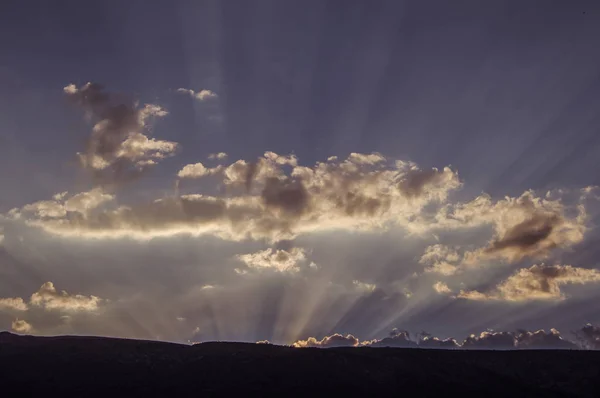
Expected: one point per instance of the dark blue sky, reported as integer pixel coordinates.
(505, 91)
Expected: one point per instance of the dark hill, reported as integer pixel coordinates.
(93, 366)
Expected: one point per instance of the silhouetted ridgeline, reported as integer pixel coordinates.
(94, 366)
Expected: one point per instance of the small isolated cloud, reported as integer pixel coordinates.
(202, 95)
(15, 304)
(21, 326)
(198, 170)
(441, 288)
(539, 282)
(50, 298)
(218, 156)
(364, 287)
(335, 340)
(275, 259)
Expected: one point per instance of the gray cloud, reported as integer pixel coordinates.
(118, 149)
(588, 337)
(487, 340)
(397, 338)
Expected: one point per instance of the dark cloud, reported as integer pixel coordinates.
(415, 181)
(542, 340)
(117, 150)
(588, 337)
(397, 338)
(488, 340)
(528, 237)
(289, 196)
(426, 340)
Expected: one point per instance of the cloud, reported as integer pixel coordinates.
(525, 226)
(490, 340)
(197, 170)
(276, 260)
(397, 338)
(219, 156)
(426, 340)
(21, 326)
(441, 259)
(16, 304)
(364, 287)
(441, 288)
(49, 298)
(265, 201)
(542, 340)
(46, 209)
(63, 206)
(86, 201)
(588, 337)
(539, 282)
(335, 340)
(118, 149)
(360, 158)
(202, 95)
(487, 340)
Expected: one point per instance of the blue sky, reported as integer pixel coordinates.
(504, 93)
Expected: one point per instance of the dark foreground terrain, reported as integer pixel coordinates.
(92, 366)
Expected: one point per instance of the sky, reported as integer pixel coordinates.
(301, 172)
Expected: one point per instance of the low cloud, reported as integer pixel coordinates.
(335, 340)
(539, 282)
(397, 338)
(50, 298)
(487, 340)
(588, 337)
(21, 326)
